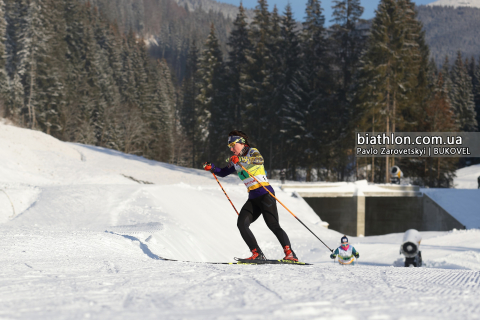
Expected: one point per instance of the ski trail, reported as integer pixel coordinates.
(142, 245)
(139, 228)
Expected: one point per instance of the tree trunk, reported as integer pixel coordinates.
(387, 176)
(31, 108)
(373, 158)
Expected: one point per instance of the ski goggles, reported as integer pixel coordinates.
(232, 140)
(345, 244)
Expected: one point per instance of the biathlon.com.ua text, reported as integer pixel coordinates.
(417, 144)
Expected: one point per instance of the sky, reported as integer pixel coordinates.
(298, 6)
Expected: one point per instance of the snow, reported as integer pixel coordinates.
(83, 241)
(456, 3)
(462, 204)
(467, 178)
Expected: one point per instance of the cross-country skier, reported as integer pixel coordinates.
(345, 253)
(259, 202)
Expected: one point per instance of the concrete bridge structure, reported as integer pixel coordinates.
(367, 209)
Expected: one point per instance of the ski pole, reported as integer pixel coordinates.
(225, 193)
(284, 206)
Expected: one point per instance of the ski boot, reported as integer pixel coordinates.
(257, 254)
(289, 254)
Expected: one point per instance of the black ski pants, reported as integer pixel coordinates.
(250, 212)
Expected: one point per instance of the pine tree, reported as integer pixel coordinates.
(212, 115)
(236, 66)
(109, 95)
(439, 116)
(51, 74)
(391, 77)
(258, 81)
(462, 96)
(447, 77)
(418, 88)
(4, 86)
(306, 122)
(90, 108)
(16, 96)
(190, 109)
(15, 13)
(432, 71)
(287, 54)
(476, 90)
(74, 30)
(128, 83)
(348, 42)
(32, 52)
(164, 116)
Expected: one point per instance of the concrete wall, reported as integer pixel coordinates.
(435, 218)
(339, 212)
(383, 214)
(392, 214)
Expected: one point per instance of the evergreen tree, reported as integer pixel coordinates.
(109, 95)
(288, 60)
(71, 73)
(419, 89)
(165, 113)
(127, 78)
(393, 76)
(52, 69)
(462, 96)
(447, 77)
(3, 74)
(236, 66)
(214, 119)
(272, 98)
(89, 111)
(476, 90)
(16, 96)
(439, 114)
(190, 108)
(15, 13)
(32, 53)
(348, 41)
(258, 83)
(438, 117)
(306, 121)
(74, 30)
(432, 71)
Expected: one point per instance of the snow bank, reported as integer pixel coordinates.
(463, 205)
(84, 237)
(467, 178)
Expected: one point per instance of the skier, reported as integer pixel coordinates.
(259, 200)
(345, 253)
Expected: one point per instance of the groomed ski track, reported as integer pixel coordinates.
(96, 275)
(57, 261)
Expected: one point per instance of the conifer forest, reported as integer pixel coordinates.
(299, 90)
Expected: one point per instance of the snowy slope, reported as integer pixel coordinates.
(74, 186)
(456, 3)
(83, 240)
(467, 178)
(463, 205)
